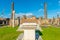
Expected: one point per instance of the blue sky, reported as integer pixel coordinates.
(30, 7)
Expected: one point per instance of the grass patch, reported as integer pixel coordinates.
(48, 33)
(8, 33)
(51, 33)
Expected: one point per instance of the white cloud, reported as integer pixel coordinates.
(21, 14)
(28, 14)
(58, 12)
(41, 10)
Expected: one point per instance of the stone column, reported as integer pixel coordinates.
(13, 19)
(12, 15)
(45, 11)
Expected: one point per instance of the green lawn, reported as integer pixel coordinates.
(49, 33)
(8, 33)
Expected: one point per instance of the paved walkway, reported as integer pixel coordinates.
(40, 38)
(20, 37)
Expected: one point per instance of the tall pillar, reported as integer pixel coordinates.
(12, 10)
(45, 10)
(12, 15)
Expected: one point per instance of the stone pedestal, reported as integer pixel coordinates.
(29, 31)
(29, 34)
